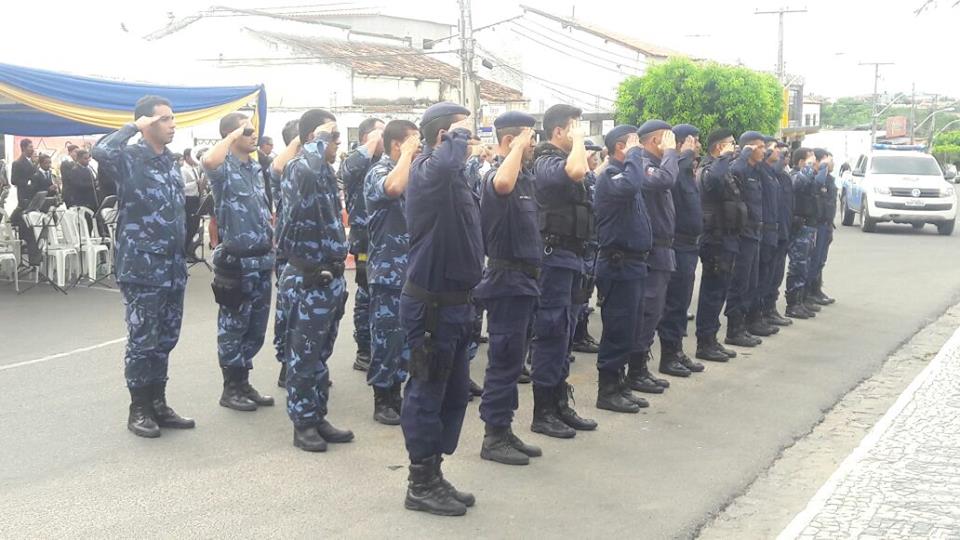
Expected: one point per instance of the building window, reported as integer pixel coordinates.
(806, 120)
(816, 120)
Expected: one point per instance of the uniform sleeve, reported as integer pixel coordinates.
(109, 150)
(662, 178)
(219, 175)
(374, 186)
(351, 171)
(448, 157)
(822, 174)
(626, 184)
(551, 171)
(714, 178)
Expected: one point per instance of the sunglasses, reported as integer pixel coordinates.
(248, 132)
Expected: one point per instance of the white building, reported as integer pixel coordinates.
(811, 112)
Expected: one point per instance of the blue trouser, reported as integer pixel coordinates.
(819, 256)
(434, 403)
(654, 300)
(553, 324)
(589, 282)
(765, 277)
(476, 331)
(313, 320)
(743, 285)
(279, 314)
(673, 324)
(622, 314)
(801, 251)
(778, 271)
(153, 316)
(241, 331)
(507, 320)
(361, 318)
(718, 264)
(389, 354)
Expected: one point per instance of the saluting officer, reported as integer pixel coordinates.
(445, 262)
(313, 289)
(582, 340)
(243, 261)
(806, 213)
(770, 190)
(784, 226)
(509, 288)
(151, 265)
(825, 226)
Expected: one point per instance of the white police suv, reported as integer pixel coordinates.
(899, 184)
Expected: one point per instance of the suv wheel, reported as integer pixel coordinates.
(847, 214)
(945, 228)
(867, 223)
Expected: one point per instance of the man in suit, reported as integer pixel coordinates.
(21, 173)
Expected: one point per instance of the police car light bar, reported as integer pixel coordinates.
(901, 147)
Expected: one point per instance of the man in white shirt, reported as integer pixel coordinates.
(191, 189)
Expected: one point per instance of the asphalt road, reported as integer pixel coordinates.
(68, 467)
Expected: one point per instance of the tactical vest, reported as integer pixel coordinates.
(806, 200)
(570, 219)
(724, 213)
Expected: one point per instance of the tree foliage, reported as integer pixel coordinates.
(946, 147)
(707, 95)
(846, 112)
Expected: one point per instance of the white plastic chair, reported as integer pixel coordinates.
(48, 239)
(91, 245)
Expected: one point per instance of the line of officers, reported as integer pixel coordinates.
(433, 240)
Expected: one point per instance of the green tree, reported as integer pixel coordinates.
(707, 95)
(946, 147)
(846, 112)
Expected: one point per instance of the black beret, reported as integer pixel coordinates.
(682, 131)
(439, 110)
(592, 146)
(618, 131)
(750, 136)
(514, 119)
(652, 125)
(768, 139)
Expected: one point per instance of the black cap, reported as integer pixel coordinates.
(751, 136)
(652, 125)
(617, 132)
(439, 110)
(682, 131)
(592, 146)
(514, 119)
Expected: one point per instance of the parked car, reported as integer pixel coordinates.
(899, 184)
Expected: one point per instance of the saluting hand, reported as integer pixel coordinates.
(727, 148)
(373, 139)
(144, 122)
(633, 141)
(523, 139)
(668, 141)
(466, 124)
(410, 145)
(328, 127)
(690, 143)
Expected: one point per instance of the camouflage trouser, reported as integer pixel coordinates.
(280, 315)
(361, 318)
(313, 319)
(241, 331)
(389, 353)
(153, 316)
(801, 249)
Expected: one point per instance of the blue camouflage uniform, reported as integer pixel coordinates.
(150, 263)
(769, 238)
(386, 272)
(806, 215)
(280, 263)
(246, 238)
(626, 238)
(508, 289)
(312, 238)
(743, 284)
(353, 170)
(660, 175)
(445, 262)
(825, 226)
(686, 246)
(784, 227)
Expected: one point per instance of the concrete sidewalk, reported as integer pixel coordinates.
(903, 480)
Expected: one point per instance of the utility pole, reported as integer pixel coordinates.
(913, 110)
(876, 97)
(781, 72)
(468, 80)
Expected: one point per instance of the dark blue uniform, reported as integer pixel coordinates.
(151, 267)
(508, 289)
(353, 170)
(386, 272)
(312, 238)
(686, 247)
(445, 263)
(828, 211)
(472, 170)
(806, 216)
(743, 285)
(246, 237)
(784, 227)
(769, 239)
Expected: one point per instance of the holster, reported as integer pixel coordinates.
(228, 281)
(425, 363)
(361, 270)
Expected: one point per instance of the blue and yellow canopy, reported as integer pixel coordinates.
(50, 104)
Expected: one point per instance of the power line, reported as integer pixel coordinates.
(299, 59)
(617, 63)
(584, 43)
(554, 83)
(567, 53)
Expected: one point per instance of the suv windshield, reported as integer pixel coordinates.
(916, 165)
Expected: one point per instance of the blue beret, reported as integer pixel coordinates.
(750, 136)
(619, 131)
(768, 139)
(513, 119)
(592, 146)
(652, 125)
(438, 110)
(682, 131)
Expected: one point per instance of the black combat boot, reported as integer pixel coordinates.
(627, 393)
(737, 332)
(545, 419)
(795, 307)
(528, 449)
(638, 376)
(282, 377)
(709, 349)
(757, 326)
(362, 361)
(332, 434)
(396, 396)
(475, 389)
(564, 397)
(141, 421)
(425, 493)
(685, 361)
(498, 447)
(808, 302)
(774, 317)
(670, 361)
(610, 394)
(383, 407)
(524, 375)
(824, 298)
(583, 342)
(233, 396)
(251, 392)
(164, 415)
(308, 439)
(463, 497)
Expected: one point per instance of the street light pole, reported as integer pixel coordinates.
(468, 84)
(781, 72)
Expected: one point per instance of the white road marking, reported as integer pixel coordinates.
(63, 354)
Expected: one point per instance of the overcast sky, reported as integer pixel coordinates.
(825, 44)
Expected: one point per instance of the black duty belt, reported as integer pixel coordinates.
(568, 243)
(686, 239)
(437, 300)
(664, 242)
(316, 273)
(617, 255)
(530, 270)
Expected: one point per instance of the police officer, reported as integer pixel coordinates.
(313, 288)
(387, 267)
(724, 216)
(151, 265)
(566, 220)
(509, 288)
(743, 285)
(805, 216)
(625, 238)
(784, 226)
(445, 263)
(769, 239)
(243, 261)
(582, 340)
(825, 226)
(686, 247)
(353, 170)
